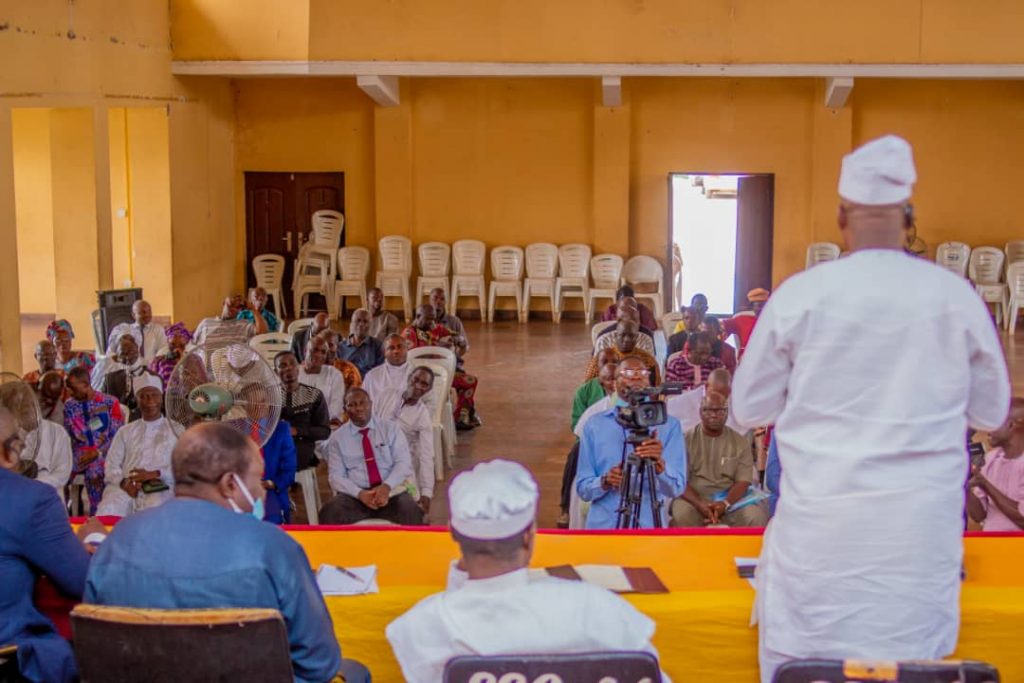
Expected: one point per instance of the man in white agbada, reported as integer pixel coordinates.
(393, 373)
(500, 608)
(863, 556)
(139, 457)
(50, 448)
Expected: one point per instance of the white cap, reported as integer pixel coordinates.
(146, 380)
(495, 499)
(878, 173)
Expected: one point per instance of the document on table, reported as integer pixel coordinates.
(347, 580)
(747, 568)
(612, 577)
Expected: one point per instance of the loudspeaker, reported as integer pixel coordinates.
(115, 308)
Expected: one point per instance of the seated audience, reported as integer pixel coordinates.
(647, 318)
(743, 325)
(995, 492)
(359, 348)
(321, 322)
(686, 407)
(607, 377)
(626, 335)
(720, 469)
(60, 334)
(626, 311)
(258, 306)
(227, 329)
(46, 359)
(163, 365)
(35, 540)
(698, 307)
(393, 373)
(499, 607)
(92, 420)
(593, 390)
(52, 447)
(692, 367)
(205, 550)
(692, 320)
(304, 409)
(599, 472)
(149, 336)
(116, 375)
(382, 323)
(138, 470)
(279, 467)
(409, 411)
(315, 373)
(720, 349)
(368, 463)
(349, 372)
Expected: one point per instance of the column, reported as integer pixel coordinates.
(10, 308)
(392, 151)
(611, 180)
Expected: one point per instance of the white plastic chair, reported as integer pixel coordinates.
(327, 227)
(1015, 282)
(597, 328)
(1014, 252)
(573, 274)
(468, 280)
(506, 278)
(954, 257)
(395, 269)
(645, 270)
(310, 493)
(269, 272)
(605, 272)
(353, 267)
(435, 264)
(437, 401)
(669, 322)
(677, 277)
(298, 325)
(541, 271)
(270, 344)
(820, 252)
(439, 354)
(313, 274)
(985, 270)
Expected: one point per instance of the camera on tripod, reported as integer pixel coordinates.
(645, 410)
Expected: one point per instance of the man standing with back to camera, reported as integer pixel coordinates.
(863, 556)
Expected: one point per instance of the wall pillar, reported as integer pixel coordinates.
(831, 138)
(392, 153)
(104, 232)
(10, 307)
(611, 180)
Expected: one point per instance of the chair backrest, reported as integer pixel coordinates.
(435, 259)
(446, 356)
(541, 260)
(573, 260)
(507, 264)
(985, 266)
(838, 671)
(313, 261)
(468, 257)
(1014, 251)
(587, 667)
(669, 322)
(1015, 278)
(327, 227)
(299, 325)
(820, 252)
(597, 328)
(606, 271)
(353, 263)
(643, 269)
(125, 645)
(269, 270)
(270, 344)
(395, 254)
(953, 256)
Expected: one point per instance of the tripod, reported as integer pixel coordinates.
(638, 478)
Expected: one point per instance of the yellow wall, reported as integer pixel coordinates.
(253, 29)
(34, 203)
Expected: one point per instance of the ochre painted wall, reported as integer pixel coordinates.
(34, 204)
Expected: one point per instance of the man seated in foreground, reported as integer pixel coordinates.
(995, 492)
(626, 310)
(368, 463)
(499, 608)
(626, 337)
(208, 548)
(719, 472)
(408, 410)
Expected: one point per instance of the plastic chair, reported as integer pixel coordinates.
(820, 252)
(586, 667)
(954, 257)
(849, 671)
(468, 279)
(395, 269)
(605, 272)
(298, 325)
(598, 328)
(985, 270)
(438, 400)
(644, 273)
(573, 274)
(269, 272)
(669, 322)
(1014, 251)
(313, 275)
(446, 357)
(310, 493)
(1015, 283)
(270, 344)
(541, 271)
(435, 264)
(506, 278)
(677, 277)
(353, 267)
(325, 236)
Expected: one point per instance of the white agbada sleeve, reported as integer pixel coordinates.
(989, 399)
(759, 387)
(54, 456)
(424, 429)
(116, 501)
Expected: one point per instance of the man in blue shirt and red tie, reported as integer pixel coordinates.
(369, 467)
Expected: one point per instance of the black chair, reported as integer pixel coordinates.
(126, 645)
(9, 671)
(851, 671)
(587, 667)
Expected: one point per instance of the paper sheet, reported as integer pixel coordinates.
(334, 581)
(605, 575)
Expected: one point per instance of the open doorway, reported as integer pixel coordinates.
(721, 230)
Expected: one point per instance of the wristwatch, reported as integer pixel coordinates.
(727, 504)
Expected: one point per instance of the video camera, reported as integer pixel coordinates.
(646, 409)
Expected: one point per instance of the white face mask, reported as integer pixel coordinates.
(256, 510)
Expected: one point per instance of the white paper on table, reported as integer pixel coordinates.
(333, 581)
(605, 575)
(742, 562)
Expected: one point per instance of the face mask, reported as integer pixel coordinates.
(257, 505)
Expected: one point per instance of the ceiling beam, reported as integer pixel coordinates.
(837, 91)
(381, 89)
(611, 91)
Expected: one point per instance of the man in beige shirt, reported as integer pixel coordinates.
(719, 460)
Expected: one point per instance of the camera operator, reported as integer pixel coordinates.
(603, 449)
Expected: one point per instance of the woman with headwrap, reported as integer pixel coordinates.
(163, 365)
(60, 334)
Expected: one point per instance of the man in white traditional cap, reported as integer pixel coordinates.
(500, 608)
(863, 556)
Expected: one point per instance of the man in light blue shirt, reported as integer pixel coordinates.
(603, 448)
(208, 548)
(369, 468)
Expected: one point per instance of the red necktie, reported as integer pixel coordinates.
(371, 461)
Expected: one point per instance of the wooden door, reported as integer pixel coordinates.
(754, 235)
(278, 209)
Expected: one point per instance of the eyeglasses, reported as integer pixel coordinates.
(631, 374)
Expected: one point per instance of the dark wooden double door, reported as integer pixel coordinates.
(278, 211)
